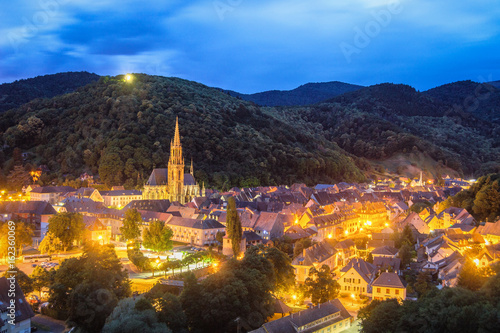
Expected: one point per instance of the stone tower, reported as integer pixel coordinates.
(176, 168)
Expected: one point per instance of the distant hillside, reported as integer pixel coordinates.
(388, 120)
(122, 130)
(15, 94)
(479, 99)
(306, 94)
(495, 84)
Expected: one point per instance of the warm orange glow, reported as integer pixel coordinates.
(476, 261)
(330, 236)
(216, 264)
(294, 297)
(387, 224)
(346, 232)
(297, 221)
(100, 237)
(486, 242)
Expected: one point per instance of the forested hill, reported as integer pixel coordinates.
(306, 94)
(409, 130)
(122, 130)
(15, 94)
(482, 100)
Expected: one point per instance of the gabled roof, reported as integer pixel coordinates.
(158, 177)
(53, 189)
(23, 308)
(363, 268)
(315, 254)
(384, 262)
(23, 207)
(489, 228)
(195, 224)
(290, 324)
(152, 205)
(345, 244)
(119, 193)
(390, 280)
(385, 250)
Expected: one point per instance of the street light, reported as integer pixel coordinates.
(352, 299)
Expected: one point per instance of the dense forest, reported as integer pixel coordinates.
(381, 121)
(15, 94)
(121, 130)
(306, 94)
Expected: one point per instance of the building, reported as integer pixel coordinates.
(22, 311)
(96, 231)
(50, 194)
(315, 256)
(34, 213)
(120, 198)
(194, 231)
(356, 277)
(328, 317)
(172, 183)
(387, 286)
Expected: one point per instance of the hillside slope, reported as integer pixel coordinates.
(15, 94)
(122, 130)
(306, 94)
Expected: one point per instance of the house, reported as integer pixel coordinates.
(356, 277)
(120, 198)
(248, 239)
(34, 213)
(194, 231)
(20, 314)
(490, 231)
(387, 286)
(315, 256)
(388, 264)
(50, 194)
(449, 273)
(385, 252)
(96, 231)
(328, 317)
(346, 250)
(90, 193)
(416, 222)
(269, 225)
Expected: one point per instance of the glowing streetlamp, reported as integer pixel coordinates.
(476, 261)
(100, 239)
(352, 299)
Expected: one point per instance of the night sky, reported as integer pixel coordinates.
(255, 45)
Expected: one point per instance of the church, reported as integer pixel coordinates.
(172, 183)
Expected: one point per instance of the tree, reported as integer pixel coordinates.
(23, 237)
(380, 317)
(68, 227)
(321, 286)
(470, 277)
(158, 237)
(50, 244)
(424, 283)
(22, 279)
(41, 278)
(220, 239)
(239, 289)
(18, 177)
(87, 288)
(233, 226)
(405, 254)
(169, 311)
(132, 316)
(282, 266)
(130, 229)
(369, 259)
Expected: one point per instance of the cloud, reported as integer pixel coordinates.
(251, 45)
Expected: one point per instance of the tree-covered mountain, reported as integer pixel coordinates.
(482, 100)
(387, 120)
(15, 94)
(122, 130)
(306, 94)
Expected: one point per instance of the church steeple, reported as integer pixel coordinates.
(176, 168)
(177, 137)
(191, 171)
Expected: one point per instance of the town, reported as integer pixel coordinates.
(331, 250)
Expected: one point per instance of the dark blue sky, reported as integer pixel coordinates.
(255, 45)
